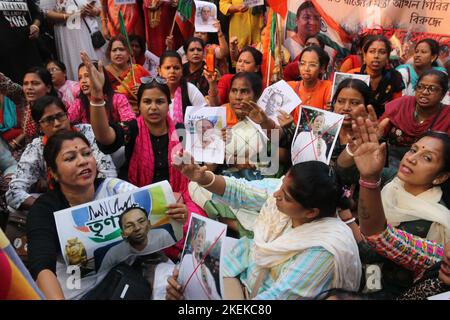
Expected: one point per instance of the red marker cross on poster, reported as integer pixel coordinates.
(311, 135)
(203, 259)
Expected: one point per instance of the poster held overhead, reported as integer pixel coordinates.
(205, 16)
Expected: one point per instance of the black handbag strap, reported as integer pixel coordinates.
(89, 29)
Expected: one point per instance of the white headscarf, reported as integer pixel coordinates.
(273, 246)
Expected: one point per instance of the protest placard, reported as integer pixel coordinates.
(315, 136)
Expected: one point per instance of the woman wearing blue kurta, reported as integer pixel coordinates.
(426, 54)
(300, 248)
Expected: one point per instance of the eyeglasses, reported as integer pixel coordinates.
(150, 79)
(54, 69)
(431, 89)
(50, 120)
(310, 65)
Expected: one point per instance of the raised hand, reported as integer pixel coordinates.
(211, 77)
(369, 155)
(217, 26)
(169, 42)
(369, 113)
(254, 112)
(97, 77)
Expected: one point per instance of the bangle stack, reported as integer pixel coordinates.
(212, 181)
(102, 104)
(369, 185)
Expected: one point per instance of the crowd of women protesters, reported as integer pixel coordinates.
(87, 121)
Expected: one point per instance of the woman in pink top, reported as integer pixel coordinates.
(117, 105)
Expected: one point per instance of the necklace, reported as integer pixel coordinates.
(417, 116)
(309, 91)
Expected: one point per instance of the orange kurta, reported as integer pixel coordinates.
(316, 97)
(231, 116)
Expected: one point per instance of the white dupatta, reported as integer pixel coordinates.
(273, 246)
(401, 206)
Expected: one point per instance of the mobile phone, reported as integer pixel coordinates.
(210, 59)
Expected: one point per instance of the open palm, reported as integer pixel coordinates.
(96, 76)
(370, 155)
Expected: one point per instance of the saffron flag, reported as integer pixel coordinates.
(15, 280)
(279, 6)
(185, 17)
(268, 47)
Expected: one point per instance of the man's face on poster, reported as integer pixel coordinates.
(135, 227)
(206, 13)
(205, 131)
(308, 23)
(275, 102)
(318, 123)
(199, 240)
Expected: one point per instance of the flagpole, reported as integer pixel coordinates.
(280, 47)
(268, 75)
(173, 23)
(132, 71)
(123, 30)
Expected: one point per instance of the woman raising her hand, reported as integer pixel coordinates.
(150, 141)
(429, 261)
